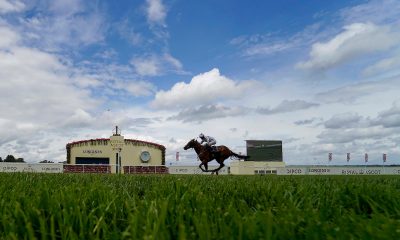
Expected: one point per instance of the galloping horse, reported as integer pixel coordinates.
(206, 156)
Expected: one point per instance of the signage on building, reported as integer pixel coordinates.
(117, 143)
(337, 170)
(91, 151)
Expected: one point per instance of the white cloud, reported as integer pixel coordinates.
(344, 120)
(156, 11)
(287, 106)
(80, 118)
(353, 135)
(128, 32)
(383, 65)
(350, 93)
(140, 88)
(376, 11)
(207, 112)
(272, 43)
(146, 66)
(155, 65)
(356, 40)
(8, 37)
(36, 93)
(389, 118)
(7, 6)
(61, 24)
(202, 89)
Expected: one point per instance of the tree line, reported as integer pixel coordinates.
(11, 158)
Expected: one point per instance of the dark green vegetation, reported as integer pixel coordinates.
(63, 206)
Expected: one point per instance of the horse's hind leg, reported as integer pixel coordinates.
(221, 165)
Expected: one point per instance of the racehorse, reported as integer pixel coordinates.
(206, 156)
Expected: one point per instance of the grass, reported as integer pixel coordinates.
(78, 206)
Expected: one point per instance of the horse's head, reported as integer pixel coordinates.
(190, 144)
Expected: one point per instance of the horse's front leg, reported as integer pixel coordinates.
(201, 167)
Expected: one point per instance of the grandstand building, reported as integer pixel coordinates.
(116, 155)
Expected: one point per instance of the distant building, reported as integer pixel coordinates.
(265, 158)
(122, 155)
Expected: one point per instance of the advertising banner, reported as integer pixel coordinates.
(34, 167)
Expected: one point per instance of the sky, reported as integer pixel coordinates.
(322, 76)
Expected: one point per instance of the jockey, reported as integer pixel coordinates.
(210, 142)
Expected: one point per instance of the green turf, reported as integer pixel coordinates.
(78, 206)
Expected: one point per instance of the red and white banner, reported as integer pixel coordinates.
(177, 156)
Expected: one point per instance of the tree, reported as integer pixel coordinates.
(1, 159)
(9, 158)
(46, 161)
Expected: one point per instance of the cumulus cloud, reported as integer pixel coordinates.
(155, 65)
(36, 91)
(8, 38)
(356, 40)
(80, 118)
(352, 135)
(156, 12)
(207, 112)
(389, 118)
(344, 120)
(7, 6)
(202, 89)
(287, 106)
(350, 93)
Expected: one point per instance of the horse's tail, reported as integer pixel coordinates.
(244, 157)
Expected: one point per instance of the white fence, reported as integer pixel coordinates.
(339, 170)
(180, 169)
(31, 167)
(288, 170)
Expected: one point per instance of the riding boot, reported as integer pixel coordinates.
(215, 151)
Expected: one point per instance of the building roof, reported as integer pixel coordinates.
(161, 147)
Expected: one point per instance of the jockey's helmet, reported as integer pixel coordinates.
(201, 135)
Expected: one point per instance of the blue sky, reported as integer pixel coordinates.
(320, 75)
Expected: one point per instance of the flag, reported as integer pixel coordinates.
(366, 157)
(177, 156)
(384, 157)
(330, 157)
(348, 157)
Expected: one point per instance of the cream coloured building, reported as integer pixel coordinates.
(119, 153)
(255, 167)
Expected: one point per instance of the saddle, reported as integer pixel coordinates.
(213, 150)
